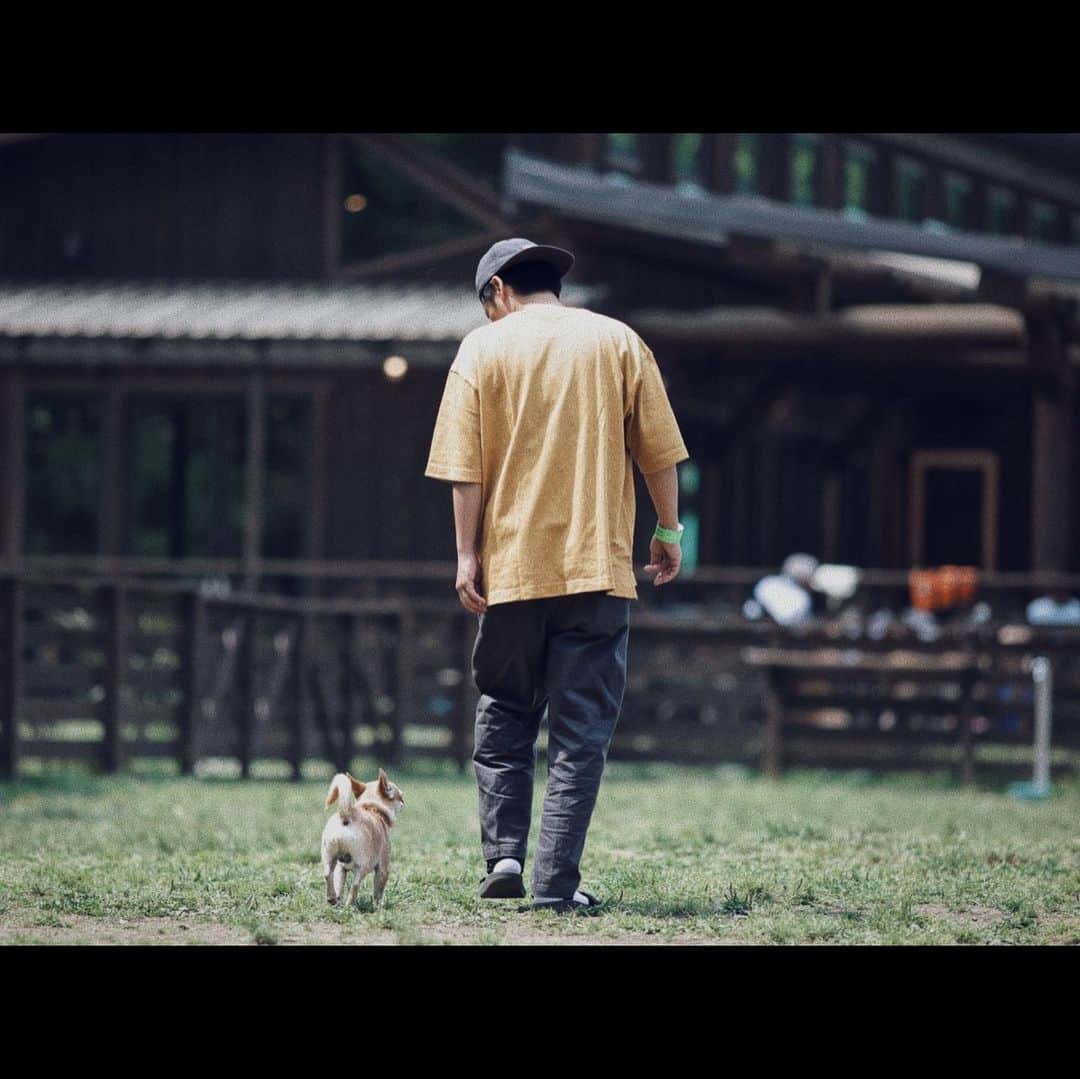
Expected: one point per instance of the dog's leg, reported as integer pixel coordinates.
(358, 876)
(340, 872)
(382, 875)
(328, 872)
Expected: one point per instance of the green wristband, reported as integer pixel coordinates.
(668, 535)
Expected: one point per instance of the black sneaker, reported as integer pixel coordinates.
(567, 906)
(502, 886)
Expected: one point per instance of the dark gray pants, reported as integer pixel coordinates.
(568, 654)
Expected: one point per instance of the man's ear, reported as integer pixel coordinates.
(358, 788)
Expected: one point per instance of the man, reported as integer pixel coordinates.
(542, 412)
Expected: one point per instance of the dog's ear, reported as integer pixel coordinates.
(331, 798)
(384, 783)
(358, 788)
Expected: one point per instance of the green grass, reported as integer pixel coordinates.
(682, 855)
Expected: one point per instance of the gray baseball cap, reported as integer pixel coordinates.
(506, 253)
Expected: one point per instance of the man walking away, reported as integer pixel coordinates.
(544, 412)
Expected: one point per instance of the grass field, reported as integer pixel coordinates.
(683, 856)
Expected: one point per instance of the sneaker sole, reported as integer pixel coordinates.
(502, 886)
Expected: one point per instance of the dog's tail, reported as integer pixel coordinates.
(343, 792)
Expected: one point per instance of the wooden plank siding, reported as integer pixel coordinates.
(166, 205)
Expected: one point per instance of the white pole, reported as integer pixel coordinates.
(1042, 674)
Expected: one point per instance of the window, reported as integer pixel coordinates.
(63, 474)
(858, 169)
(957, 200)
(802, 169)
(188, 480)
(910, 189)
(288, 449)
(747, 150)
(1002, 205)
(384, 211)
(1043, 222)
(623, 154)
(688, 156)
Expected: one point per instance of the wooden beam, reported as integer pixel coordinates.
(1052, 446)
(720, 162)
(14, 467)
(420, 169)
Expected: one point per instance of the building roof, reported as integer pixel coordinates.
(248, 311)
(704, 217)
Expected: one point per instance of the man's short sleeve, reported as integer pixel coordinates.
(652, 432)
(455, 444)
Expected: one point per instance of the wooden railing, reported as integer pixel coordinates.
(113, 669)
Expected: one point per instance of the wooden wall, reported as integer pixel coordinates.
(163, 205)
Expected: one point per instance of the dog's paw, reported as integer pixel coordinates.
(332, 902)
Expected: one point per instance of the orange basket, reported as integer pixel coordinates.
(921, 589)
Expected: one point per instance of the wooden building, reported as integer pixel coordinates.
(869, 340)
(221, 356)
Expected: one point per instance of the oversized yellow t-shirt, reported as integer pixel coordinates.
(547, 408)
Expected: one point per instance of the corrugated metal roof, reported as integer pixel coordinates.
(249, 311)
(574, 191)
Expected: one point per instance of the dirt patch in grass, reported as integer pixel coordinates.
(973, 915)
(32, 928)
(29, 927)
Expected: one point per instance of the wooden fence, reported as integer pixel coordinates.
(112, 669)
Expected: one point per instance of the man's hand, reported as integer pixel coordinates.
(468, 582)
(664, 560)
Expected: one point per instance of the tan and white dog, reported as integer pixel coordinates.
(357, 836)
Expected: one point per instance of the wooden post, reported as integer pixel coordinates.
(113, 498)
(720, 172)
(775, 170)
(347, 625)
(318, 477)
(14, 472)
(967, 741)
(1052, 435)
(883, 186)
(830, 172)
(772, 748)
(194, 632)
(658, 162)
(300, 663)
(116, 666)
(254, 467)
(245, 671)
(404, 695)
(11, 605)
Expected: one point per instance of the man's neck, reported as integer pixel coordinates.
(548, 299)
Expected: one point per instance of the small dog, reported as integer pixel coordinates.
(357, 836)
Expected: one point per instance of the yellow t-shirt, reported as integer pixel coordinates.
(545, 408)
